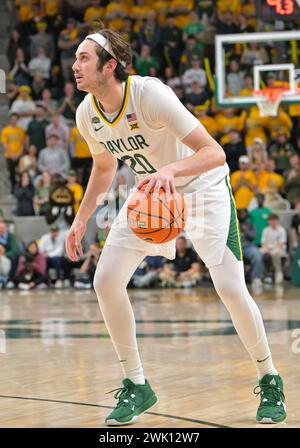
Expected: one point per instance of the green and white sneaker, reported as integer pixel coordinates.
(133, 400)
(272, 408)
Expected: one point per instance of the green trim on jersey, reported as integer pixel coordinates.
(121, 111)
(234, 239)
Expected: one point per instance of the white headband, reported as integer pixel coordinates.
(103, 42)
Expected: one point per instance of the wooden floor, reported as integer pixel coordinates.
(57, 361)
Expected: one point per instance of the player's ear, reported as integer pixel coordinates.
(110, 66)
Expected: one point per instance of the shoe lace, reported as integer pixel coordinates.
(269, 394)
(124, 396)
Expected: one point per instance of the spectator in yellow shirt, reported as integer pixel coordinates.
(77, 189)
(268, 179)
(208, 122)
(81, 158)
(13, 139)
(228, 120)
(243, 183)
(94, 12)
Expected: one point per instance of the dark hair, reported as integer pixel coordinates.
(120, 47)
(273, 216)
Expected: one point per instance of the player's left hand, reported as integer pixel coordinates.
(163, 178)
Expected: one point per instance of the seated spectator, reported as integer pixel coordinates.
(279, 125)
(68, 104)
(194, 27)
(15, 42)
(171, 41)
(36, 130)
(274, 201)
(13, 139)
(192, 48)
(258, 154)
(185, 270)
(32, 269)
(76, 188)
(38, 84)
(93, 12)
(40, 63)
(24, 107)
(228, 120)
(60, 129)
(195, 73)
(52, 246)
(145, 61)
(259, 218)
(234, 149)
(267, 178)
(243, 24)
(254, 53)
(255, 127)
(225, 23)
(208, 122)
(250, 250)
(12, 91)
(197, 96)
(294, 164)
(68, 42)
(148, 272)
(81, 159)
(42, 193)
(88, 268)
(54, 158)
(49, 103)
(150, 33)
(234, 78)
(20, 72)
(61, 202)
(42, 39)
(274, 239)
(170, 79)
(24, 193)
(295, 226)
(292, 185)
(243, 183)
(280, 151)
(5, 267)
(12, 249)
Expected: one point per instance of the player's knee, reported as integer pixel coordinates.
(102, 281)
(233, 296)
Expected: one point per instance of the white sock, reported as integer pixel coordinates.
(110, 283)
(229, 281)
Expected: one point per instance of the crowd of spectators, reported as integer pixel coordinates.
(49, 162)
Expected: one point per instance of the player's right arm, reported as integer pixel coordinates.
(102, 174)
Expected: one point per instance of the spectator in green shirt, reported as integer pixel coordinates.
(36, 128)
(194, 27)
(259, 218)
(145, 61)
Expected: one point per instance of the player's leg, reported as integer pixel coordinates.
(248, 323)
(114, 270)
(217, 241)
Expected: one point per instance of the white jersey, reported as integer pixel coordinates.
(148, 131)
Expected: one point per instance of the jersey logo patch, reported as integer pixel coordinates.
(95, 120)
(132, 121)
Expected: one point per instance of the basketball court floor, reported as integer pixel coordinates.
(58, 363)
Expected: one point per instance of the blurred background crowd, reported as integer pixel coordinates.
(48, 162)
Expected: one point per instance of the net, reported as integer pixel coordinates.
(268, 100)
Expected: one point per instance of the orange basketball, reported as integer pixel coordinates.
(156, 221)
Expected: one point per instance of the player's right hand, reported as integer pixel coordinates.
(73, 242)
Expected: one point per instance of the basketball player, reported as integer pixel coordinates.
(140, 121)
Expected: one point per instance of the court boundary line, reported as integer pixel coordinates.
(175, 417)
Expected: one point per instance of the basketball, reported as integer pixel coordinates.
(158, 221)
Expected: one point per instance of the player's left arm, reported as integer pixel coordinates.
(162, 109)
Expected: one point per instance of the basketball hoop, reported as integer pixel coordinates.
(268, 100)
